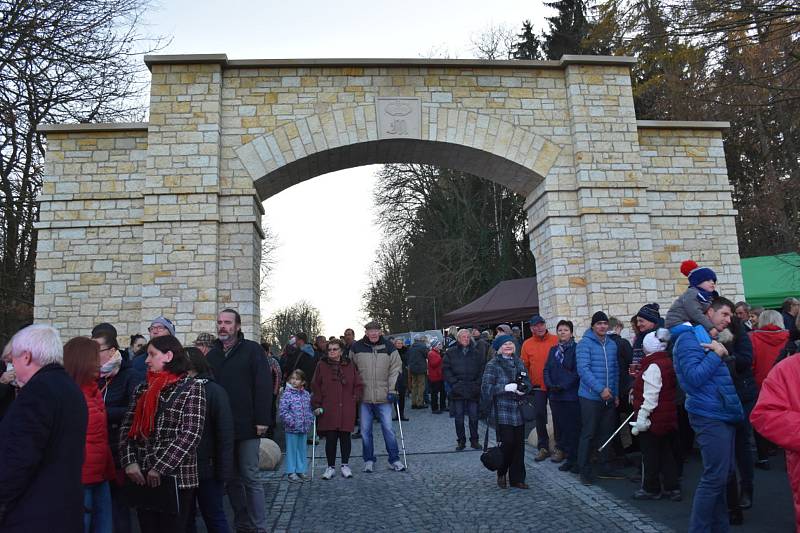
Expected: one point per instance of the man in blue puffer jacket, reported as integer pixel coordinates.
(598, 393)
(714, 410)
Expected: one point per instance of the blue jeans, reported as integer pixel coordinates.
(246, 491)
(710, 507)
(470, 408)
(97, 505)
(296, 453)
(384, 413)
(209, 498)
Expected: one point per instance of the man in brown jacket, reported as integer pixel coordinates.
(379, 365)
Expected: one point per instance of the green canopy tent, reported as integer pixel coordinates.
(770, 279)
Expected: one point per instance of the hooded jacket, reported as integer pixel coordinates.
(598, 366)
(337, 387)
(215, 451)
(98, 464)
(767, 345)
(704, 377)
(379, 365)
(777, 409)
(418, 358)
(463, 369)
(295, 410)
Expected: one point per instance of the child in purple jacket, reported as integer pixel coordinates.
(297, 418)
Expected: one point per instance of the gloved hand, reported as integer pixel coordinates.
(318, 411)
(391, 397)
(511, 387)
(642, 422)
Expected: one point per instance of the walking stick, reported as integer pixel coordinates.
(314, 449)
(600, 449)
(402, 439)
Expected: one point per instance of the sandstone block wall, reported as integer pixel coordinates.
(166, 215)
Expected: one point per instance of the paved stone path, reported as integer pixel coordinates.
(444, 490)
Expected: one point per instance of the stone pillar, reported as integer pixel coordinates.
(611, 198)
(180, 235)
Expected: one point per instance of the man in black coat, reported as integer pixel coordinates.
(241, 368)
(418, 366)
(42, 439)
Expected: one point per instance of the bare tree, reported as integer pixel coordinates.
(494, 42)
(288, 321)
(60, 61)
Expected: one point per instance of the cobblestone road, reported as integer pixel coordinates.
(444, 490)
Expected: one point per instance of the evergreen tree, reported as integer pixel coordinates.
(568, 29)
(528, 46)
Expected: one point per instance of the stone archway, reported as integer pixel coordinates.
(163, 217)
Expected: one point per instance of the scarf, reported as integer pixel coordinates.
(144, 416)
(112, 366)
(562, 348)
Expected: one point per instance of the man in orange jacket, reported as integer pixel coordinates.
(534, 354)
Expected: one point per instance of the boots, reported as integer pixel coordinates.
(462, 443)
(475, 444)
(746, 499)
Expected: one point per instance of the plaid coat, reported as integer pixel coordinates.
(171, 448)
(499, 373)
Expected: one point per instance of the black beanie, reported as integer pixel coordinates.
(650, 313)
(599, 317)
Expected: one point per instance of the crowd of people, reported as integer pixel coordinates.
(98, 430)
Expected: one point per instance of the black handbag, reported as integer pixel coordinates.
(527, 408)
(492, 458)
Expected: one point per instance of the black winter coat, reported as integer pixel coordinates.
(117, 393)
(6, 393)
(215, 451)
(624, 360)
(42, 440)
(298, 360)
(418, 358)
(243, 371)
(463, 370)
(742, 371)
(402, 379)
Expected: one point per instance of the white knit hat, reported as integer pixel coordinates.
(652, 343)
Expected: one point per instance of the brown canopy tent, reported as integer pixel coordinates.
(515, 300)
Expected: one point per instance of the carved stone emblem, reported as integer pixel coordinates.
(399, 118)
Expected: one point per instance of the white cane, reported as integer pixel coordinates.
(600, 449)
(402, 439)
(314, 449)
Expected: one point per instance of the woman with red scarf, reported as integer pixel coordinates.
(82, 363)
(161, 431)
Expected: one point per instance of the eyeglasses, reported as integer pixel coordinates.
(107, 348)
(156, 328)
(337, 349)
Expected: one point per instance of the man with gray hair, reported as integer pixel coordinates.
(43, 439)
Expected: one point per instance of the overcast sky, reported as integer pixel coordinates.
(323, 255)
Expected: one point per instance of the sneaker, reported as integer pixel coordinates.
(674, 495)
(346, 472)
(329, 473)
(542, 455)
(397, 466)
(369, 467)
(558, 456)
(302, 477)
(294, 478)
(642, 494)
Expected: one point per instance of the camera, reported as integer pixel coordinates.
(522, 382)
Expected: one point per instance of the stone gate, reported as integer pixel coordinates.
(163, 217)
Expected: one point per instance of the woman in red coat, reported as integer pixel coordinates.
(777, 417)
(82, 363)
(337, 387)
(436, 377)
